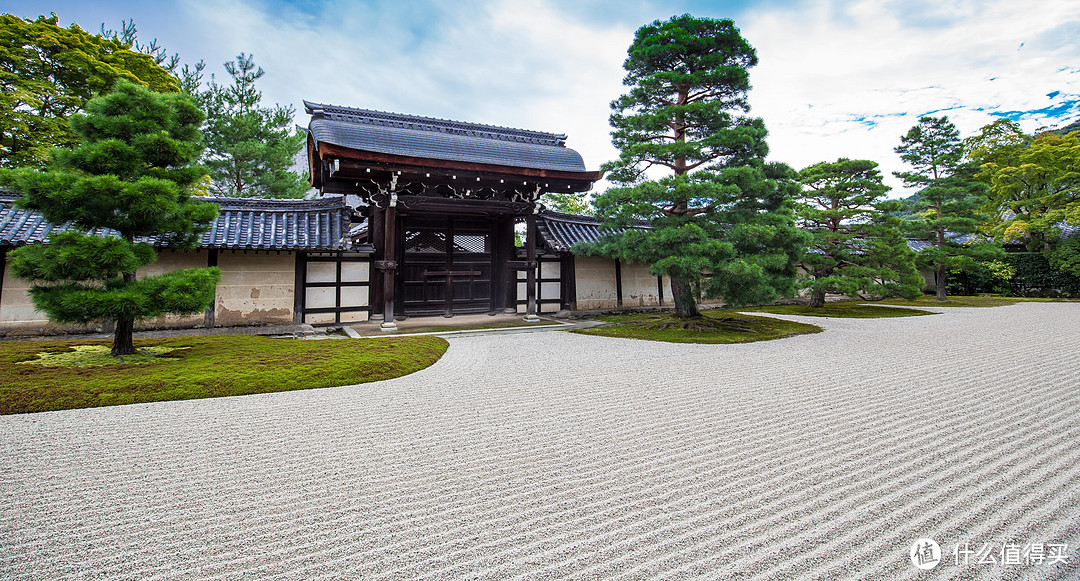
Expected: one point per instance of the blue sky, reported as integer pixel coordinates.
(836, 78)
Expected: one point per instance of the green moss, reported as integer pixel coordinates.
(98, 355)
(714, 327)
(956, 301)
(198, 367)
(849, 310)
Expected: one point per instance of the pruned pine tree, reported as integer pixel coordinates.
(250, 149)
(132, 173)
(856, 246)
(950, 199)
(692, 167)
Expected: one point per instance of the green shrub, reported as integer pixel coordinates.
(1035, 277)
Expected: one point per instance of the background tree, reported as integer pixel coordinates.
(569, 203)
(132, 174)
(949, 202)
(721, 209)
(1034, 187)
(250, 149)
(47, 73)
(856, 245)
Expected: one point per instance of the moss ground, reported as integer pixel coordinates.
(848, 310)
(721, 326)
(957, 301)
(198, 367)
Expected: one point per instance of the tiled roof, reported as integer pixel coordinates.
(426, 137)
(560, 231)
(920, 245)
(242, 224)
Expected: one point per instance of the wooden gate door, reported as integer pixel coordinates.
(446, 267)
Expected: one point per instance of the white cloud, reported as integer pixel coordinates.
(838, 78)
(847, 79)
(501, 62)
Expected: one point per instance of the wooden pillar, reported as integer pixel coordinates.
(208, 317)
(3, 270)
(376, 226)
(530, 277)
(510, 275)
(501, 249)
(568, 281)
(618, 283)
(660, 289)
(448, 286)
(389, 264)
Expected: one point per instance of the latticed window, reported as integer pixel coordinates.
(474, 243)
(425, 241)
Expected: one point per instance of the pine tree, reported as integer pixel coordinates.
(856, 246)
(132, 173)
(250, 149)
(949, 200)
(722, 211)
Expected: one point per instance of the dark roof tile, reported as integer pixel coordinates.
(242, 224)
(560, 231)
(426, 137)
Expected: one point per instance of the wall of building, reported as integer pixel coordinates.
(18, 317)
(639, 287)
(256, 288)
(595, 280)
(169, 260)
(337, 283)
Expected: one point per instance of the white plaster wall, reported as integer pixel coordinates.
(639, 288)
(256, 288)
(595, 280)
(169, 260)
(18, 317)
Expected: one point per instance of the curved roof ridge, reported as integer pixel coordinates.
(274, 204)
(422, 123)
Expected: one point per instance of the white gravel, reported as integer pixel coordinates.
(554, 455)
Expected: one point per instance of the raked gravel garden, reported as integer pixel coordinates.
(565, 456)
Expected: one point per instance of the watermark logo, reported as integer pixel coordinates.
(925, 554)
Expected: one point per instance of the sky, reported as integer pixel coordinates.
(836, 78)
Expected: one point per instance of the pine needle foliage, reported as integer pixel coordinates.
(129, 180)
(856, 246)
(692, 168)
(949, 202)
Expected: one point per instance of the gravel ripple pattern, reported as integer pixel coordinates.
(562, 456)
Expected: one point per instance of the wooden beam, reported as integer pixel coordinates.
(462, 206)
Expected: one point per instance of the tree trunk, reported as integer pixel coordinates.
(123, 342)
(685, 301)
(817, 299)
(939, 281)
